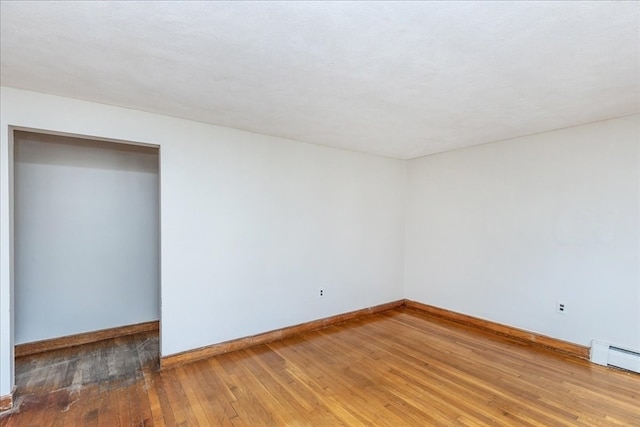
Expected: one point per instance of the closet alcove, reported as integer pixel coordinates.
(86, 235)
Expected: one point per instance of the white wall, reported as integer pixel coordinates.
(86, 235)
(254, 226)
(251, 226)
(504, 230)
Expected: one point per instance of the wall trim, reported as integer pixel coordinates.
(84, 338)
(533, 338)
(6, 402)
(179, 359)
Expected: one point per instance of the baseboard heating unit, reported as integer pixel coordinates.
(610, 355)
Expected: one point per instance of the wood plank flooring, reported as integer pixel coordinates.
(396, 368)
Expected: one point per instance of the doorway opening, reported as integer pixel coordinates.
(86, 240)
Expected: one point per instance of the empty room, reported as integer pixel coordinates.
(319, 213)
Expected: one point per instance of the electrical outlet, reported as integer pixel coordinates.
(561, 308)
(321, 292)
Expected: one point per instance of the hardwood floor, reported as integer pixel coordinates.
(396, 368)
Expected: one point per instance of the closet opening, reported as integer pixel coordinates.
(86, 242)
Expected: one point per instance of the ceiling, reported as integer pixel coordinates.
(399, 79)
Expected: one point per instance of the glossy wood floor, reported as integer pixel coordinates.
(397, 368)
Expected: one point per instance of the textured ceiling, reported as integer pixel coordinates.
(397, 79)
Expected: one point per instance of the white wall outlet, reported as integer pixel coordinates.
(321, 292)
(561, 308)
